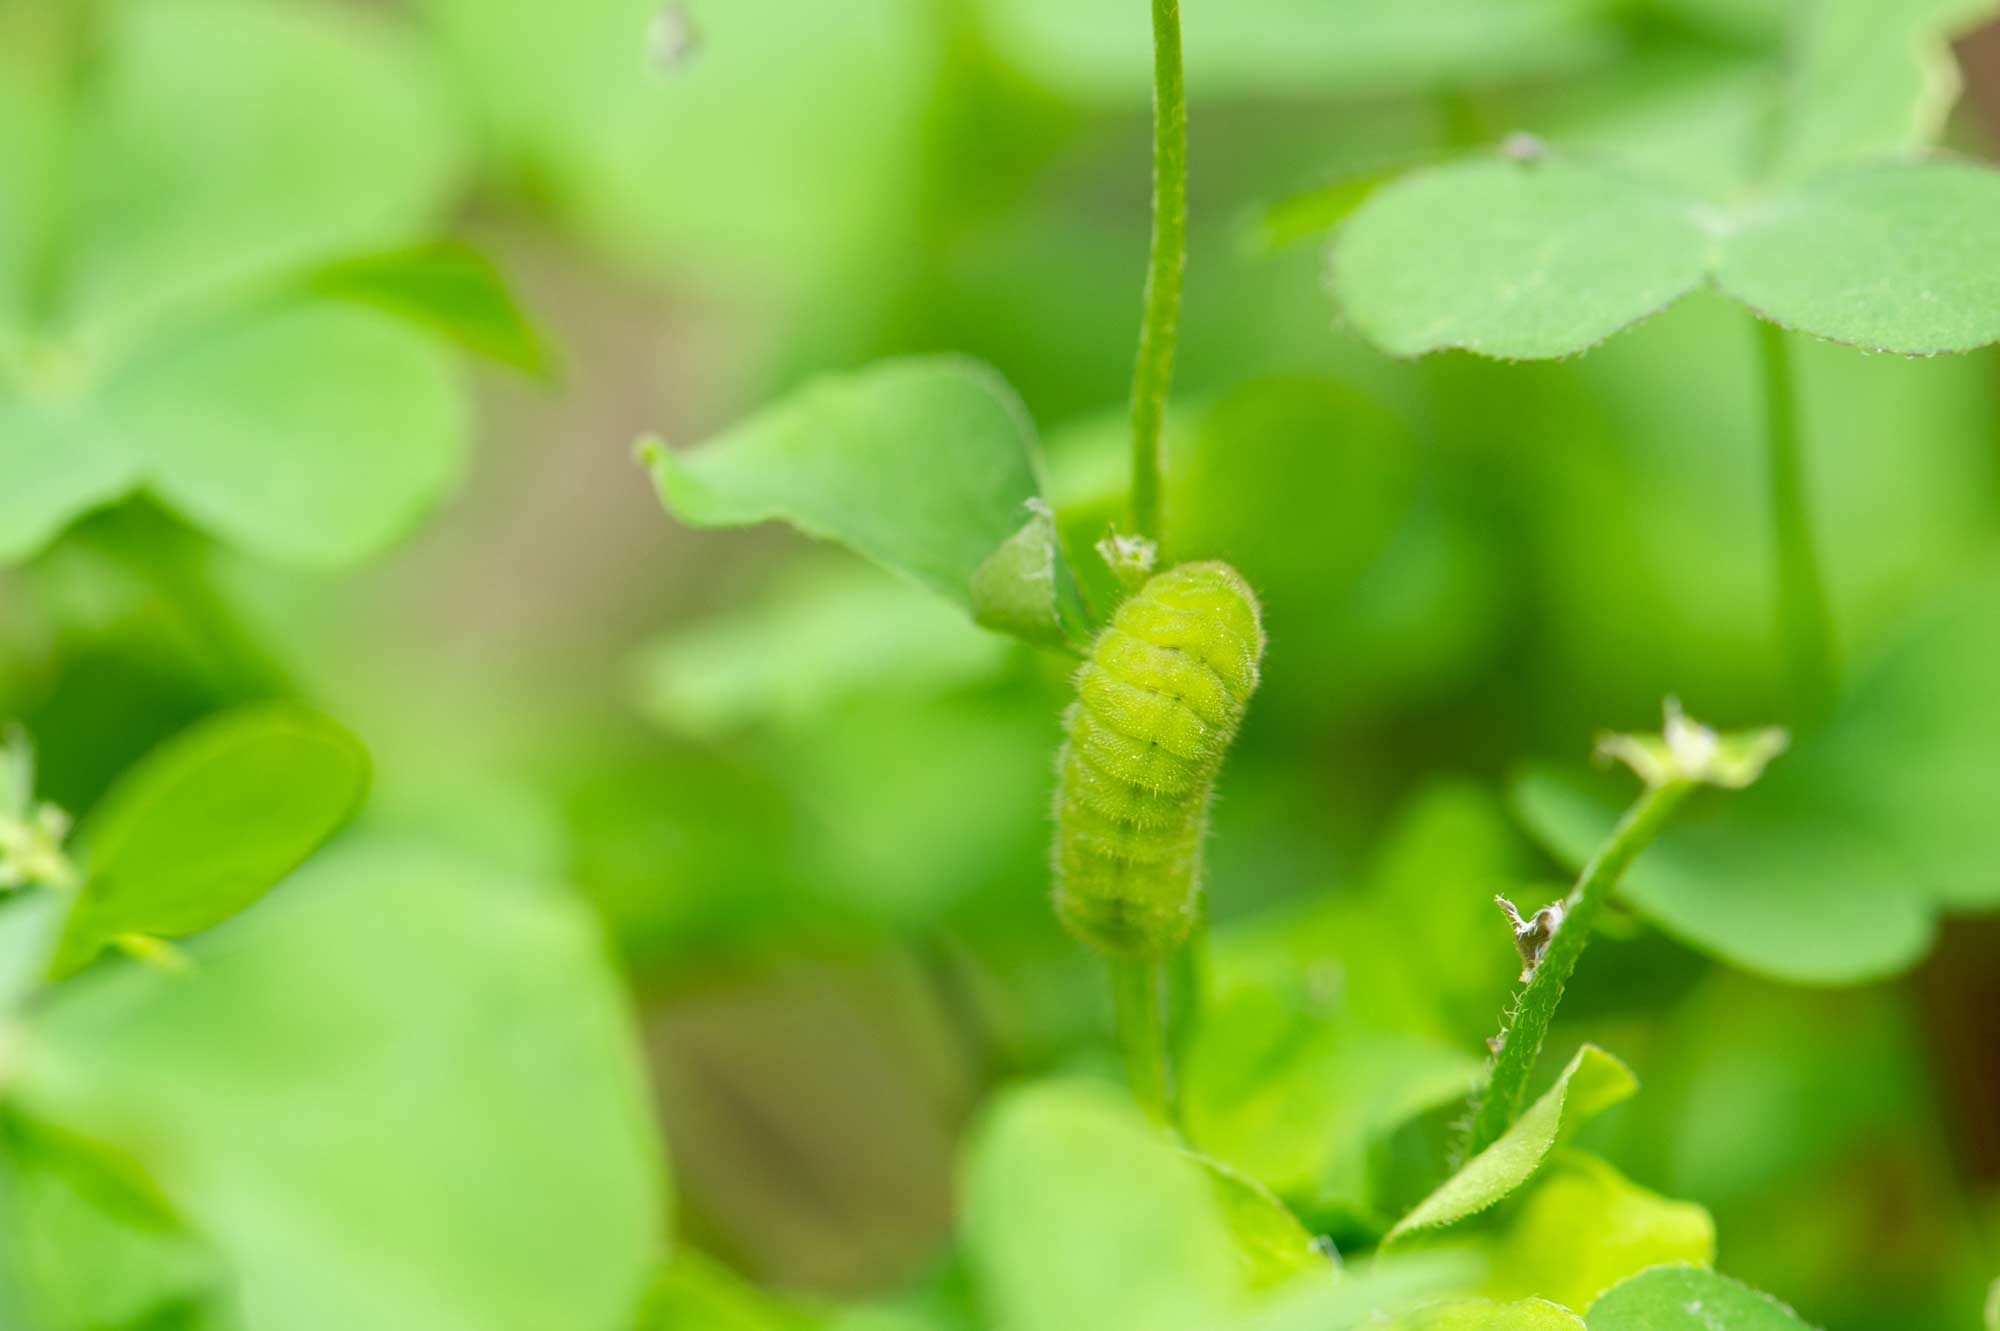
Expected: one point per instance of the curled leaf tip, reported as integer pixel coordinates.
(1686, 752)
(1533, 934)
(1131, 558)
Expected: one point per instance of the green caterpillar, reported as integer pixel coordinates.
(1157, 705)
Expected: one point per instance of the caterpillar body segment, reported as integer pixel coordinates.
(1158, 703)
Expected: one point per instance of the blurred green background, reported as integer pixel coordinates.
(809, 804)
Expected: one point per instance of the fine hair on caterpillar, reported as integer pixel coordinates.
(1158, 703)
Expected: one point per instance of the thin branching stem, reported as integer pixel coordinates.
(1805, 617)
(1520, 1044)
(1160, 331)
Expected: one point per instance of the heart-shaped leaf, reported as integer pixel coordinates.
(1892, 258)
(924, 466)
(1686, 1298)
(1515, 259)
(152, 327)
(1565, 253)
(1592, 1083)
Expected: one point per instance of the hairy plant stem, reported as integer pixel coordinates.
(1160, 330)
(1139, 990)
(1520, 1044)
(1805, 618)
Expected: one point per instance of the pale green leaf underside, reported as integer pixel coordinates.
(1547, 257)
(1686, 1298)
(1833, 868)
(210, 821)
(367, 1138)
(1592, 1083)
(921, 465)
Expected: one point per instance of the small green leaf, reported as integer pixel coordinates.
(1993, 1307)
(1488, 1315)
(1274, 1247)
(448, 288)
(1895, 258)
(921, 465)
(1079, 1215)
(1026, 588)
(1592, 1083)
(1585, 1227)
(1515, 259)
(211, 820)
(1686, 1298)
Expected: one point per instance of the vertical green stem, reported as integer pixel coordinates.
(1160, 330)
(1139, 999)
(1805, 619)
(1520, 1044)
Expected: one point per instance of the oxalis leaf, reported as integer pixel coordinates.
(449, 288)
(1564, 253)
(924, 466)
(172, 343)
(1687, 1298)
(1592, 1083)
(1833, 868)
(210, 821)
